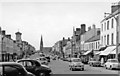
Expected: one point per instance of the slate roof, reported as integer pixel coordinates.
(94, 38)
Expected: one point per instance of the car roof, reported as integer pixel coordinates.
(112, 59)
(9, 63)
(26, 59)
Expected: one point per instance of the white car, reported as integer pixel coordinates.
(75, 63)
(42, 60)
(112, 64)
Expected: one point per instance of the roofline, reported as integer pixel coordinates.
(111, 15)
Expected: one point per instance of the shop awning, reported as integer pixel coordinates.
(108, 50)
(97, 53)
(113, 52)
(102, 48)
(87, 52)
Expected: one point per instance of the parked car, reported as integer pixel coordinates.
(112, 64)
(35, 67)
(48, 58)
(94, 62)
(13, 69)
(75, 63)
(43, 60)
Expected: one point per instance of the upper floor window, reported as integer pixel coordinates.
(107, 39)
(96, 45)
(102, 40)
(107, 25)
(112, 23)
(104, 26)
(112, 39)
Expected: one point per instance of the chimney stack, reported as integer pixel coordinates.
(115, 7)
(83, 28)
(93, 26)
(89, 28)
(8, 36)
(3, 32)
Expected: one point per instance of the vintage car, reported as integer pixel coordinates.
(75, 63)
(112, 64)
(48, 58)
(35, 67)
(43, 60)
(94, 62)
(13, 69)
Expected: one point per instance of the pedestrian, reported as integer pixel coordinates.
(102, 61)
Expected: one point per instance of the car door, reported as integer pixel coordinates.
(12, 71)
(30, 66)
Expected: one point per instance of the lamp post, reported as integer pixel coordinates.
(2, 49)
(117, 33)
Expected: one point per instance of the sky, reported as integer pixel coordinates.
(53, 19)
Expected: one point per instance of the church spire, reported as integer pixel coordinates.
(41, 44)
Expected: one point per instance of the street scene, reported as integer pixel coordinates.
(60, 38)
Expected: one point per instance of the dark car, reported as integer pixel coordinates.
(94, 62)
(35, 67)
(13, 69)
(48, 58)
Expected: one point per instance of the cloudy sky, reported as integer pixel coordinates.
(53, 19)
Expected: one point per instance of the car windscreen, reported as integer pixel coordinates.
(42, 59)
(114, 61)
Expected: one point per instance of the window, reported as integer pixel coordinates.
(96, 45)
(112, 24)
(104, 26)
(112, 39)
(13, 71)
(104, 40)
(107, 39)
(107, 25)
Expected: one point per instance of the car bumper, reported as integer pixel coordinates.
(78, 67)
(116, 67)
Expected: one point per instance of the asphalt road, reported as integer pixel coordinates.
(62, 67)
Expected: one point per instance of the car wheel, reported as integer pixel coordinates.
(41, 74)
(106, 67)
(82, 69)
(110, 67)
(72, 69)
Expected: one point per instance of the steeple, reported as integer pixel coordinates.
(41, 44)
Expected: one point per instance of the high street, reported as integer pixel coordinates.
(62, 67)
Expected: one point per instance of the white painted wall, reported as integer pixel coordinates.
(106, 32)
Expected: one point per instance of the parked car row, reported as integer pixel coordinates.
(110, 64)
(24, 67)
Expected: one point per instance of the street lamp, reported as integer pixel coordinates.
(117, 33)
(2, 49)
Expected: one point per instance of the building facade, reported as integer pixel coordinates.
(110, 28)
(11, 49)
